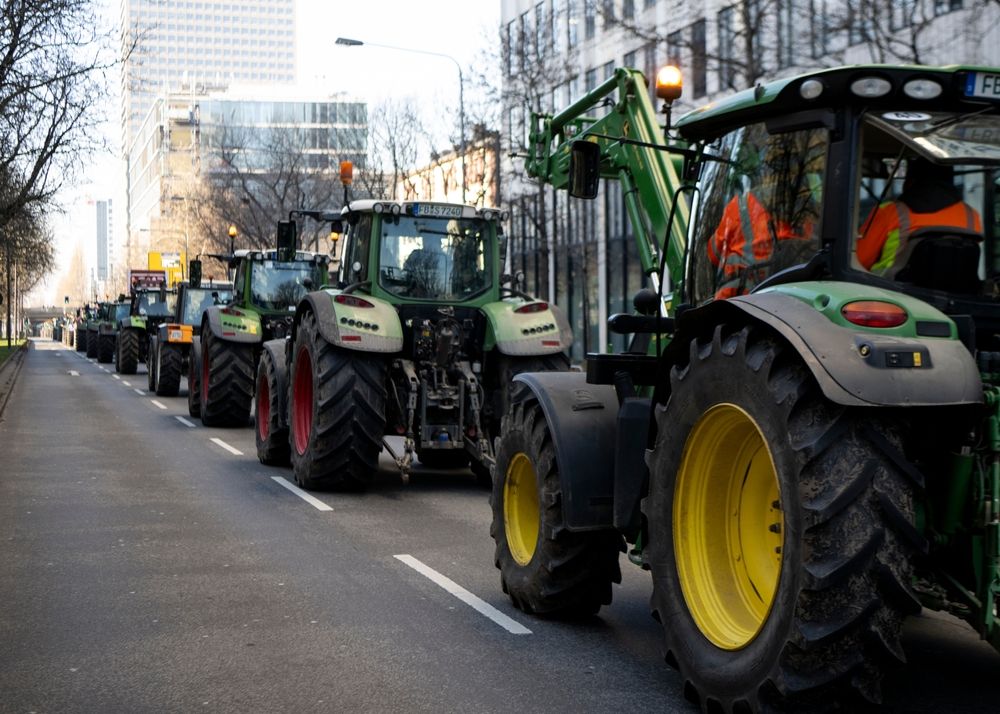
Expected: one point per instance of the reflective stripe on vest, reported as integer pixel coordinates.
(948, 218)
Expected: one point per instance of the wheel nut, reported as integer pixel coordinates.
(775, 528)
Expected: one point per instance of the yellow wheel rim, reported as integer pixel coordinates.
(520, 508)
(728, 527)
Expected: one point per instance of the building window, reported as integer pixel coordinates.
(675, 51)
(589, 19)
(572, 20)
(942, 7)
(727, 40)
(509, 42)
(699, 75)
(629, 60)
(646, 4)
(609, 70)
(818, 29)
(902, 14)
(590, 80)
(608, 12)
(786, 25)
(628, 9)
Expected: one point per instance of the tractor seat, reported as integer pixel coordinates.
(942, 261)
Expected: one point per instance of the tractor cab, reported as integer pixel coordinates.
(271, 282)
(885, 176)
(410, 252)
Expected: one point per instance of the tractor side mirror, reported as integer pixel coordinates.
(194, 273)
(287, 239)
(584, 169)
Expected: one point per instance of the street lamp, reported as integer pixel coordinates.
(348, 42)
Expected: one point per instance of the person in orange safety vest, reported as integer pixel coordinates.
(735, 262)
(929, 202)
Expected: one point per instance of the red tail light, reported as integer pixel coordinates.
(532, 307)
(352, 301)
(874, 313)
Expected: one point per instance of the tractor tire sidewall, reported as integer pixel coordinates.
(348, 407)
(843, 587)
(152, 363)
(168, 361)
(274, 450)
(227, 394)
(570, 573)
(720, 381)
(105, 348)
(128, 351)
(91, 344)
(194, 382)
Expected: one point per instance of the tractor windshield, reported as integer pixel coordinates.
(925, 186)
(120, 311)
(197, 300)
(153, 304)
(435, 258)
(277, 285)
(760, 209)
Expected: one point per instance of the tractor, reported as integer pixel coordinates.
(267, 285)
(109, 316)
(80, 327)
(419, 339)
(802, 441)
(170, 345)
(150, 303)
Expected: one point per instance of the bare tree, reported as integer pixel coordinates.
(253, 178)
(27, 257)
(396, 140)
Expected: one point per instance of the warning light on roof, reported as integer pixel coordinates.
(346, 172)
(669, 83)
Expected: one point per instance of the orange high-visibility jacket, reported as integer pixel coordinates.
(727, 249)
(889, 227)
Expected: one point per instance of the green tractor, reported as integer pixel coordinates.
(80, 327)
(150, 303)
(169, 351)
(94, 318)
(266, 288)
(419, 339)
(802, 444)
(109, 316)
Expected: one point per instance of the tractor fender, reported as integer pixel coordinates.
(542, 331)
(354, 327)
(233, 325)
(582, 420)
(276, 350)
(944, 374)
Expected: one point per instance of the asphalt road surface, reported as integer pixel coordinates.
(153, 565)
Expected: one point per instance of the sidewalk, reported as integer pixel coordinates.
(10, 364)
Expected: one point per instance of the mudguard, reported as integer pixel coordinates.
(132, 321)
(232, 324)
(276, 349)
(174, 332)
(582, 420)
(544, 331)
(855, 366)
(353, 327)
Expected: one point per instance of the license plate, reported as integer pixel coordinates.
(982, 85)
(434, 210)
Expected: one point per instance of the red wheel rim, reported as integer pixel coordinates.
(263, 409)
(302, 401)
(204, 375)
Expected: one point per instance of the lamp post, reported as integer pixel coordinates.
(348, 42)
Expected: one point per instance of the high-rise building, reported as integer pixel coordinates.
(105, 240)
(206, 42)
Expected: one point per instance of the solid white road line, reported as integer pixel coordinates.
(484, 608)
(227, 447)
(161, 406)
(311, 500)
(184, 421)
(138, 391)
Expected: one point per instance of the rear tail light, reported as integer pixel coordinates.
(352, 301)
(874, 313)
(532, 307)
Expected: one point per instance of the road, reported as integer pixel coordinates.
(153, 565)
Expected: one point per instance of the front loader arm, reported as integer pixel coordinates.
(647, 172)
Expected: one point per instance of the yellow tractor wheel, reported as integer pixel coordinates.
(780, 532)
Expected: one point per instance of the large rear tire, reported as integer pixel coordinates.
(81, 340)
(194, 381)
(226, 381)
(105, 348)
(166, 363)
(336, 407)
(271, 433)
(151, 363)
(128, 351)
(91, 344)
(544, 567)
(780, 532)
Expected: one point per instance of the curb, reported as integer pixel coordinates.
(8, 376)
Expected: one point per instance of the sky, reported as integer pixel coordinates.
(458, 28)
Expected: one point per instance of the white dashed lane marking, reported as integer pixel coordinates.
(158, 405)
(481, 606)
(227, 447)
(184, 421)
(311, 500)
(138, 391)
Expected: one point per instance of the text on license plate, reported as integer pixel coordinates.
(982, 84)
